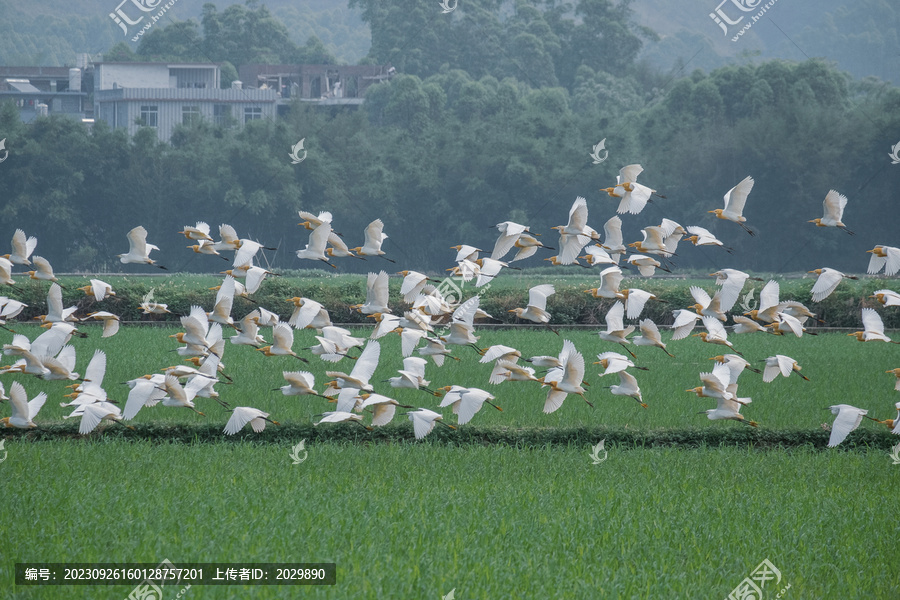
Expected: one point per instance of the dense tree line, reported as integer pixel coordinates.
(442, 158)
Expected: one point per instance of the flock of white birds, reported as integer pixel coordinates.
(431, 322)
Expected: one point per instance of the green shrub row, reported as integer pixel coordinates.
(530, 437)
(570, 305)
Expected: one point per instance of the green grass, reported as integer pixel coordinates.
(414, 520)
(841, 370)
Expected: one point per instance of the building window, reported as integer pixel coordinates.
(251, 113)
(190, 115)
(222, 114)
(149, 116)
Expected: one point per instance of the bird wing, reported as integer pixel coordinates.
(505, 242)
(367, 362)
(227, 234)
(19, 400)
(893, 260)
(768, 297)
(612, 233)
(731, 290)
(495, 352)
(826, 283)
(578, 214)
(629, 174)
(792, 323)
(98, 289)
(654, 236)
(137, 241)
(240, 417)
(54, 300)
(283, 336)
(570, 246)
(573, 364)
(300, 379)
(715, 327)
(409, 339)
(380, 289)
(42, 265)
(537, 296)
(375, 234)
(382, 413)
(35, 404)
(466, 311)
(628, 382)
(635, 302)
(225, 296)
(422, 422)
(615, 317)
(415, 365)
(649, 330)
(834, 204)
(700, 296)
(91, 417)
(848, 418)
(872, 321)
(737, 196)
(554, 400)
(610, 278)
(785, 364)
(772, 369)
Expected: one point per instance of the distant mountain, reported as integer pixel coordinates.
(860, 36)
(51, 32)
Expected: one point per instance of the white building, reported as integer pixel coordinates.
(163, 95)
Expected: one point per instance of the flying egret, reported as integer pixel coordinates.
(715, 383)
(204, 247)
(887, 297)
(654, 242)
(145, 391)
(375, 236)
(315, 248)
(466, 402)
(628, 386)
(436, 349)
(495, 354)
(833, 205)
(308, 313)
(341, 416)
(785, 365)
(509, 234)
(243, 415)
(574, 235)
(200, 231)
(527, 246)
(347, 387)
(635, 300)
(43, 272)
(727, 409)
(747, 325)
(735, 199)
(22, 248)
(614, 362)
(23, 410)
(610, 279)
(423, 421)
(138, 248)
(412, 375)
(311, 221)
(736, 365)
(536, 310)
(6, 272)
(338, 249)
(376, 295)
(715, 333)
(826, 283)
(109, 320)
(299, 383)
(703, 237)
(98, 289)
(283, 337)
(650, 336)
(613, 242)
(572, 366)
(873, 328)
(383, 408)
(892, 424)
(847, 419)
(732, 283)
(785, 323)
(633, 196)
(706, 306)
(248, 333)
(595, 254)
(646, 266)
(884, 257)
(616, 331)
(228, 239)
(413, 284)
(182, 396)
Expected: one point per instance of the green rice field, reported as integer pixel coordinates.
(407, 519)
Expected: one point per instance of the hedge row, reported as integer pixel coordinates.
(570, 305)
(532, 437)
